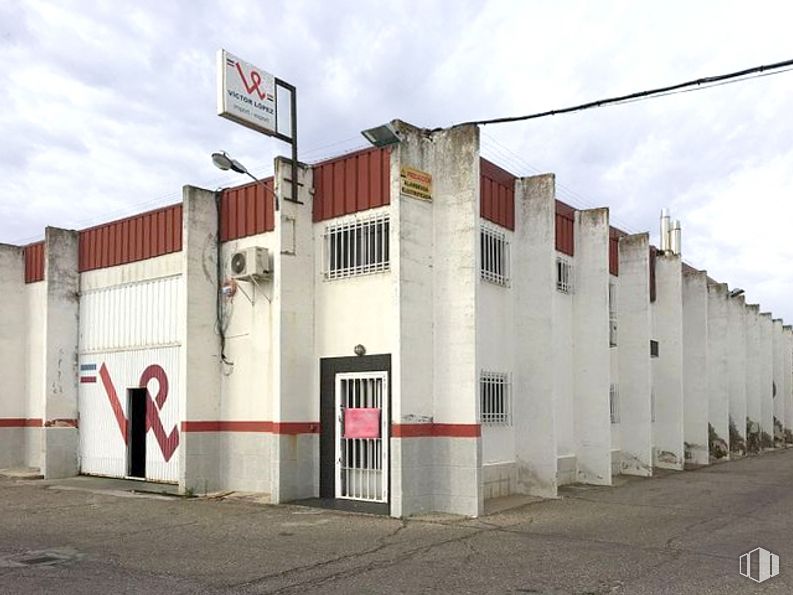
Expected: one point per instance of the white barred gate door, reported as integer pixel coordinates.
(362, 436)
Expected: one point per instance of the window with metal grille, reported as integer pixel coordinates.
(564, 275)
(495, 399)
(614, 403)
(612, 315)
(494, 255)
(357, 247)
(653, 348)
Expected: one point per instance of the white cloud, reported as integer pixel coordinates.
(108, 109)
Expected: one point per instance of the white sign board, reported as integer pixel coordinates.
(246, 94)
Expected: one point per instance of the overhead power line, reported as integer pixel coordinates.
(702, 83)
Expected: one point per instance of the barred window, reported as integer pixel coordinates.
(564, 275)
(495, 399)
(494, 253)
(357, 247)
(614, 403)
(612, 315)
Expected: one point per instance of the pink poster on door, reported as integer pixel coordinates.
(362, 422)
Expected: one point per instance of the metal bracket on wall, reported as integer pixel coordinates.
(252, 297)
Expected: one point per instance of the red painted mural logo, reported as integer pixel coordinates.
(255, 84)
(167, 442)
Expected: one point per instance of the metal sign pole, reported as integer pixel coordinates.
(292, 139)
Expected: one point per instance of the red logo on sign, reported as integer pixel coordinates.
(167, 442)
(255, 85)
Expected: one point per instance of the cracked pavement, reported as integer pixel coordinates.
(674, 533)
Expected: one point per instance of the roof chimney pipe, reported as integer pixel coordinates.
(665, 229)
(675, 237)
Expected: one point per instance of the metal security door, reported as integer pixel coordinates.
(362, 436)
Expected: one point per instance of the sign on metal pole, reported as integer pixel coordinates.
(248, 96)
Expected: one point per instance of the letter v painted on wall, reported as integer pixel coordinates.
(167, 442)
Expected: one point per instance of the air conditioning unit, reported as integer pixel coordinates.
(251, 262)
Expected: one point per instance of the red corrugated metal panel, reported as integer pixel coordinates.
(247, 210)
(652, 273)
(135, 238)
(565, 225)
(352, 183)
(497, 194)
(614, 250)
(34, 262)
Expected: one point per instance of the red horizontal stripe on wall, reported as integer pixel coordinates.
(436, 430)
(293, 428)
(268, 427)
(60, 423)
(227, 426)
(20, 422)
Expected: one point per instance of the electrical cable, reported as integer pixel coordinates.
(709, 81)
(221, 330)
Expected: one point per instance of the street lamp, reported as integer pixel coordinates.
(224, 162)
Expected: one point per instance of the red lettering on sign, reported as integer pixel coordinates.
(256, 81)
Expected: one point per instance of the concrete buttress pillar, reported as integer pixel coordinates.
(766, 387)
(787, 393)
(295, 456)
(736, 373)
(634, 361)
(695, 367)
(668, 367)
(534, 283)
(592, 423)
(779, 383)
(753, 378)
(718, 371)
(60, 437)
(200, 353)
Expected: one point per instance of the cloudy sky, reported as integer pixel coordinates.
(107, 111)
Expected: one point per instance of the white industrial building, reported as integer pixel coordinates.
(422, 330)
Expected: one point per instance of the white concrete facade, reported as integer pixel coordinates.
(251, 366)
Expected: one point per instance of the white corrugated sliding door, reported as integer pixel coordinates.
(362, 436)
(129, 339)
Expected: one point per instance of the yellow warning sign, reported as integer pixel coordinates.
(416, 183)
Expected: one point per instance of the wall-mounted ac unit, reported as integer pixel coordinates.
(251, 262)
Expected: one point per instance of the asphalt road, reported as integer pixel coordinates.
(675, 533)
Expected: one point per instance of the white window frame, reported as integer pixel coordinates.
(494, 254)
(357, 247)
(495, 398)
(564, 275)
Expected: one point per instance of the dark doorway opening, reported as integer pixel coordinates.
(137, 431)
(329, 367)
